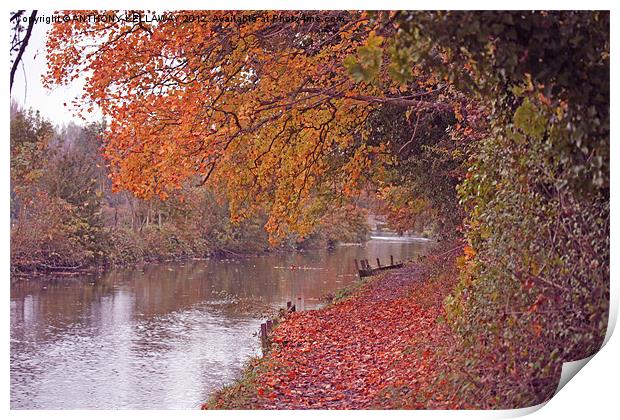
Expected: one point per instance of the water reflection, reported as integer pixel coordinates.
(157, 336)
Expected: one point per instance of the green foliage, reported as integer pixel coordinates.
(347, 224)
(534, 289)
(530, 120)
(241, 393)
(125, 247)
(29, 137)
(56, 220)
(71, 176)
(557, 57)
(417, 188)
(365, 68)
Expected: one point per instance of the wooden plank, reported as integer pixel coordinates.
(372, 271)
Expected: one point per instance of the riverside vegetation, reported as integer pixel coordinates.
(65, 216)
(489, 127)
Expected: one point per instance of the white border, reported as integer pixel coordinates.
(593, 394)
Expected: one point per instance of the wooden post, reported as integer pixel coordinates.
(288, 305)
(263, 334)
(269, 325)
(357, 268)
(391, 260)
(378, 263)
(367, 265)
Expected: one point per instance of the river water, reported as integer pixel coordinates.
(163, 336)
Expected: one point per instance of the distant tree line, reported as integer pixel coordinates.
(65, 215)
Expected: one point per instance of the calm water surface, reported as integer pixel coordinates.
(162, 336)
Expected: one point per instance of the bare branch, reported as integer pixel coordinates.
(22, 47)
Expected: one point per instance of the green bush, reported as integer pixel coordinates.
(534, 287)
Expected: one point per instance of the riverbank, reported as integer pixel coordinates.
(77, 245)
(385, 345)
(145, 254)
(45, 270)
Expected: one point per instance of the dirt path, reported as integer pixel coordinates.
(376, 349)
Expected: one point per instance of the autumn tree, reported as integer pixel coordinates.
(265, 109)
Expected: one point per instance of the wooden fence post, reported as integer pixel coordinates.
(263, 334)
(391, 260)
(378, 263)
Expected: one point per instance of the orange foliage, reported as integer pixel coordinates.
(262, 109)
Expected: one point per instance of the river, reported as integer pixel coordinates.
(163, 336)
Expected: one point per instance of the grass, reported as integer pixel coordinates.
(346, 292)
(242, 392)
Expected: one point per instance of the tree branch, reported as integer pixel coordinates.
(23, 46)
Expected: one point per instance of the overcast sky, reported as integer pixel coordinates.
(29, 92)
